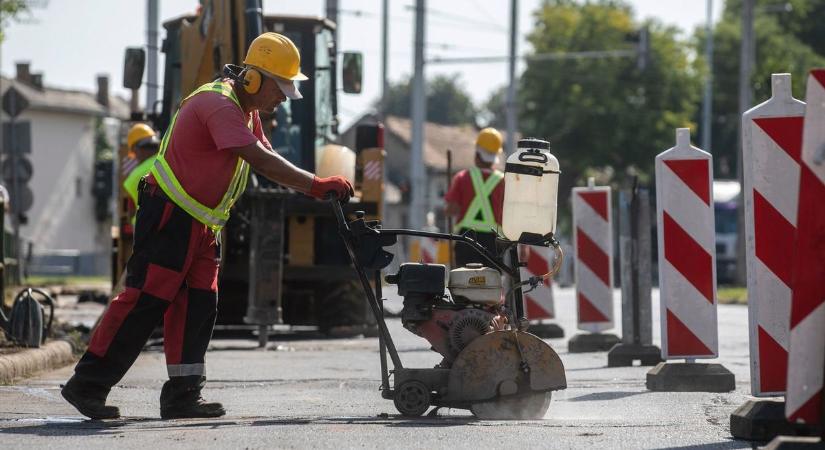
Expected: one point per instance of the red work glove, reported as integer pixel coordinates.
(336, 185)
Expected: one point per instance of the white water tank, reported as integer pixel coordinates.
(531, 185)
(332, 159)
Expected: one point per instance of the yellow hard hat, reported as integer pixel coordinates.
(139, 132)
(489, 140)
(275, 55)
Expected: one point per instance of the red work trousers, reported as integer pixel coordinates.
(171, 275)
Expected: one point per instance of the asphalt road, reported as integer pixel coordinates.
(324, 394)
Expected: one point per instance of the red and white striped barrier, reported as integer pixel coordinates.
(593, 241)
(429, 251)
(772, 142)
(687, 257)
(538, 303)
(807, 351)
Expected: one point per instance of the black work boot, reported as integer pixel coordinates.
(181, 398)
(89, 399)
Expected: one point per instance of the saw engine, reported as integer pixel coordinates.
(449, 319)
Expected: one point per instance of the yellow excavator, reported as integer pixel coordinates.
(282, 260)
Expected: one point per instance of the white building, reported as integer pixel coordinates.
(62, 234)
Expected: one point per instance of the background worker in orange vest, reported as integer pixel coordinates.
(200, 171)
(476, 196)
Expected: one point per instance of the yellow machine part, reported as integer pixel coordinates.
(492, 366)
(206, 43)
(301, 240)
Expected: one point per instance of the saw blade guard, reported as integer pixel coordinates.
(505, 363)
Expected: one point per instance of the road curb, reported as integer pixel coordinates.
(53, 355)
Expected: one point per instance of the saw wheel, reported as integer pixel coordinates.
(412, 398)
(514, 407)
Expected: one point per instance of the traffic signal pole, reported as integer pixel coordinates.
(418, 175)
(511, 86)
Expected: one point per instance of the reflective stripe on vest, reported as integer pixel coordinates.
(215, 218)
(481, 203)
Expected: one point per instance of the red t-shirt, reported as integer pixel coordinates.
(462, 193)
(208, 126)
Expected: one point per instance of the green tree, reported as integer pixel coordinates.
(10, 10)
(605, 114)
(494, 112)
(447, 102)
(786, 41)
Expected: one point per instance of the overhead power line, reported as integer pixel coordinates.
(437, 14)
(556, 56)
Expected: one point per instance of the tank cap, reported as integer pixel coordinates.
(473, 265)
(533, 143)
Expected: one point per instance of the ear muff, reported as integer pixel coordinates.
(252, 80)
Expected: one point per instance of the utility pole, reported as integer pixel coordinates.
(332, 14)
(385, 13)
(418, 174)
(747, 57)
(708, 96)
(152, 56)
(511, 86)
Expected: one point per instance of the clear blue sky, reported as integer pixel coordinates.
(72, 41)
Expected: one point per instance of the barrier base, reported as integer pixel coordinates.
(623, 355)
(794, 443)
(690, 377)
(763, 420)
(546, 330)
(592, 342)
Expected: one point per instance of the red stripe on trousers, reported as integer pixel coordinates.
(688, 257)
(174, 325)
(113, 318)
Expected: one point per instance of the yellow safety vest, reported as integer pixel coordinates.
(130, 184)
(479, 215)
(215, 218)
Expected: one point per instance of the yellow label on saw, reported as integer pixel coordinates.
(477, 281)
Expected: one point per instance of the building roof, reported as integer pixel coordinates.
(65, 100)
(437, 140)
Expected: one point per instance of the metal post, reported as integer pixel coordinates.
(152, 54)
(15, 199)
(332, 14)
(418, 175)
(382, 346)
(385, 88)
(708, 96)
(448, 218)
(511, 86)
(747, 58)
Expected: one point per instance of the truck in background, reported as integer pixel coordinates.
(725, 194)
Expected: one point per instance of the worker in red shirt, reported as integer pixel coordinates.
(476, 196)
(200, 171)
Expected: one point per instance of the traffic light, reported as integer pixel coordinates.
(102, 188)
(641, 40)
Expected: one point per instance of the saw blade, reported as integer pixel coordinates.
(514, 407)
